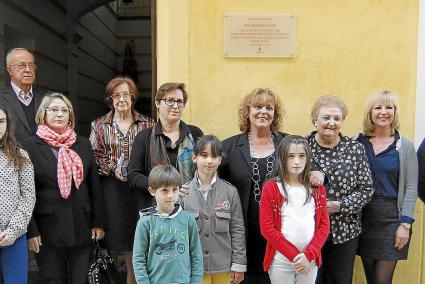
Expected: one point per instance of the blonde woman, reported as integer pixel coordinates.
(387, 219)
(69, 209)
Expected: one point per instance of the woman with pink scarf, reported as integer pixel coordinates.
(69, 205)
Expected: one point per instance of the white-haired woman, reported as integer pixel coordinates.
(348, 187)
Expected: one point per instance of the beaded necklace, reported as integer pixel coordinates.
(254, 165)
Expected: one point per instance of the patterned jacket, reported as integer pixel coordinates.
(108, 143)
(349, 181)
(17, 196)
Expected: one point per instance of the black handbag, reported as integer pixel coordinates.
(102, 269)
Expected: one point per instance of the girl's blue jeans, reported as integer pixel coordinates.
(14, 262)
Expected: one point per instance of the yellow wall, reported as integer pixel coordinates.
(346, 48)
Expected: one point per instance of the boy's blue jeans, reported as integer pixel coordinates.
(14, 262)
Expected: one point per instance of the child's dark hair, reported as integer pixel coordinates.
(282, 154)
(164, 175)
(213, 141)
(9, 143)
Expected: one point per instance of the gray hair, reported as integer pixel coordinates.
(12, 51)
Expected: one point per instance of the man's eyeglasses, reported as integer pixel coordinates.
(57, 110)
(24, 65)
(118, 96)
(170, 102)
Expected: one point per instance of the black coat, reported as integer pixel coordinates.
(19, 119)
(140, 163)
(64, 222)
(236, 166)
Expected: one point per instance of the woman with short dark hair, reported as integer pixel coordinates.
(169, 142)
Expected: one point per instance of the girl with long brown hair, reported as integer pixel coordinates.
(293, 216)
(17, 199)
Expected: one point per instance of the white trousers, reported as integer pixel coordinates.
(282, 272)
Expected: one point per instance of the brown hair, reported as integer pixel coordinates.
(117, 81)
(386, 96)
(164, 175)
(168, 87)
(282, 154)
(263, 97)
(45, 103)
(327, 101)
(213, 141)
(9, 143)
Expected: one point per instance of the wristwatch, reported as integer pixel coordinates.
(407, 226)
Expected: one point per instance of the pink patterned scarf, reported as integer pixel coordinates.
(69, 163)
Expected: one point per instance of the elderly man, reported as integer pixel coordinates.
(19, 96)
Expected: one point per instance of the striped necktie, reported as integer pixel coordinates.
(25, 98)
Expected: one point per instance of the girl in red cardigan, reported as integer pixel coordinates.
(293, 217)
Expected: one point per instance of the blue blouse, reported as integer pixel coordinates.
(385, 169)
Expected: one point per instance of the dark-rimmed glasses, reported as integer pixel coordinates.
(170, 102)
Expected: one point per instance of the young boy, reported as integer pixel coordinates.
(166, 243)
(218, 211)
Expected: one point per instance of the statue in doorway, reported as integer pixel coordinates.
(129, 65)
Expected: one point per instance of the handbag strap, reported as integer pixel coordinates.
(94, 250)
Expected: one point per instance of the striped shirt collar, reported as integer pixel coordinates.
(20, 94)
(109, 117)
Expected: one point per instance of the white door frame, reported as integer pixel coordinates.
(420, 78)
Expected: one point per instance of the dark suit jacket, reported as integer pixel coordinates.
(21, 124)
(236, 166)
(64, 222)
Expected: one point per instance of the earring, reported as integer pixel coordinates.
(69, 123)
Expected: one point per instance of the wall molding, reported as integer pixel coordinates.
(104, 24)
(12, 5)
(48, 58)
(98, 39)
(103, 83)
(97, 59)
(420, 77)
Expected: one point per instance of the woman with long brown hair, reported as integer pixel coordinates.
(17, 199)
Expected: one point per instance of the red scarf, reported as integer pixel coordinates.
(69, 163)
